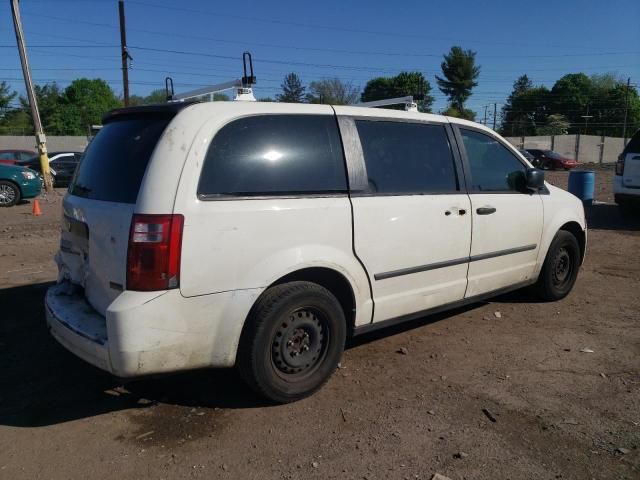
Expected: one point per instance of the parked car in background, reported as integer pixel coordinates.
(266, 244)
(626, 183)
(10, 157)
(527, 155)
(62, 166)
(17, 183)
(548, 159)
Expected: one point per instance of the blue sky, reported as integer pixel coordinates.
(352, 40)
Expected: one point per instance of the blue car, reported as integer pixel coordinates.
(17, 183)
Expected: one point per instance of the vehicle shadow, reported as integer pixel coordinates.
(606, 216)
(43, 384)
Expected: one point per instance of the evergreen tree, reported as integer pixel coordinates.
(292, 89)
(460, 75)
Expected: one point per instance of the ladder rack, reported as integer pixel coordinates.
(408, 102)
(242, 86)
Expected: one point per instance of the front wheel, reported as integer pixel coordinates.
(560, 268)
(9, 194)
(292, 342)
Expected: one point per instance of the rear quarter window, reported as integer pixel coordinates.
(274, 154)
(116, 159)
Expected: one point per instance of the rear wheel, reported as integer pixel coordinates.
(9, 194)
(292, 342)
(560, 268)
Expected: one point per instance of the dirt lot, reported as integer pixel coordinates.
(560, 412)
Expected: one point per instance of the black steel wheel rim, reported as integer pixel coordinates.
(562, 267)
(300, 343)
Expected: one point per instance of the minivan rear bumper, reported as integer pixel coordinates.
(77, 326)
(146, 333)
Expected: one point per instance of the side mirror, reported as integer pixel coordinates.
(534, 179)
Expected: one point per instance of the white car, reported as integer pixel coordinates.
(626, 183)
(262, 235)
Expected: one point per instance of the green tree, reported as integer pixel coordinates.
(555, 124)
(156, 96)
(513, 120)
(135, 100)
(403, 84)
(292, 89)
(84, 103)
(332, 91)
(6, 96)
(467, 114)
(266, 99)
(460, 75)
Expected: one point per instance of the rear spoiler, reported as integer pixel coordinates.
(162, 109)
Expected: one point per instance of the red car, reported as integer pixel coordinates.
(10, 157)
(551, 160)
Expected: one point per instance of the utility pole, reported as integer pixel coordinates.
(495, 108)
(41, 140)
(485, 115)
(586, 119)
(125, 54)
(626, 108)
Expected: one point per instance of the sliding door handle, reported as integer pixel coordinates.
(485, 210)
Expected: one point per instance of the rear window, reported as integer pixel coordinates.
(634, 144)
(114, 163)
(274, 154)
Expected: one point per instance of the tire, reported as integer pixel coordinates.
(560, 268)
(9, 194)
(292, 341)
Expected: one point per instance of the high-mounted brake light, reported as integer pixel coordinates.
(153, 258)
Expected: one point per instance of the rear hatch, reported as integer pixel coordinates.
(631, 177)
(101, 201)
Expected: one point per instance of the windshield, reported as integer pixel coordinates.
(552, 154)
(115, 161)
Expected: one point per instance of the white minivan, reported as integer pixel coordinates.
(626, 183)
(263, 235)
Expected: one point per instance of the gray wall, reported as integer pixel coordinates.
(584, 148)
(54, 144)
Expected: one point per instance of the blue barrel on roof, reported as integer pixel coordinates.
(582, 185)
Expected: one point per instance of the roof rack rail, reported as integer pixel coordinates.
(242, 86)
(409, 104)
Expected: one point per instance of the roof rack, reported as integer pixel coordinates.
(242, 86)
(409, 104)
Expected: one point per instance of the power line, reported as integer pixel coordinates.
(295, 47)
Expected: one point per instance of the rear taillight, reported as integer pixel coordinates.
(153, 258)
(620, 164)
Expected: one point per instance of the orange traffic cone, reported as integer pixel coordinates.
(36, 209)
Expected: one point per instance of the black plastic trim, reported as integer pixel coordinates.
(421, 268)
(501, 253)
(371, 327)
(451, 263)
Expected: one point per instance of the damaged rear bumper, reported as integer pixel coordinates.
(77, 326)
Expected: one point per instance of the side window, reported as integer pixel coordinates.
(407, 157)
(25, 156)
(275, 154)
(493, 167)
(6, 156)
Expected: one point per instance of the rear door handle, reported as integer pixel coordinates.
(485, 210)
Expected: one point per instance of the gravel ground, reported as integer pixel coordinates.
(561, 380)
